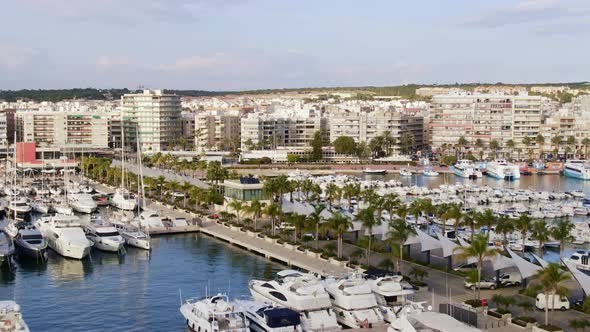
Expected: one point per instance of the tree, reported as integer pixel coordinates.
(504, 226)
(376, 146)
(479, 144)
(579, 324)
(562, 232)
(551, 279)
(407, 141)
(344, 145)
(216, 172)
(316, 146)
(461, 143)
(510, 145)
(486, 218)
(540, 140)
(556, 141)
(273, 211)
(367, 218)
(362, 150)
(571, 142)
(339, 224)
(315, 221)
(479, 250)
(255, 208)
(586, 144)
(399, 232)
(391, 202)
(523, 224)
(292, 158)
(495, 145)
(238, 207)
(388, 142)
(332, 191)
(539, 232)
(454, 212)
(298, 221)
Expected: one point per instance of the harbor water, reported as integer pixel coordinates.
(135, 292)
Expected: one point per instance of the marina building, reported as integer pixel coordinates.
(364, 124)
(217, 130)
(154, 117)
(483, 118)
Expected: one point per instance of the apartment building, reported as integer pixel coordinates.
(7, 123)
(64, 129)
(280, 129)
(152, 116)
(366, 123)
(484, 117)
(217, 130)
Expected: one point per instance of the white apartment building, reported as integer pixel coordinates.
(64, 129)
(280, 129)
(6, 129)
(217, 130)
(486, 117)
(152, 116)
(364, 124)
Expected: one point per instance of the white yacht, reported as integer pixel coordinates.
(40, 206)
(19, 206)
(580, 258)
(59, 206)
(30, 242)
(429, 171)
(11, 318)
(147, 219)
(301, 292)
(354, 303)
(466, 169)
(124, 200)
(502, 169)
(579, 169)
(64, 234)
(215, 314)
(104, 237)
(267, 318)
(82, 203)
(405, 172)
(369, 171)
(390, 294)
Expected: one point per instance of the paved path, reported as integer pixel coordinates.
(154, 172)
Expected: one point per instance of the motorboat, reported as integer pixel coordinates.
(214, 314)
(101, 199)
(124, 200)
(580, 258)
(87, 189)
(369, 171)
(465, 168)
(11, 318)
(147, 219)
(30, 242)
(6, 248)
(132, 234)
(502, 169)
(301, 292)
(61, 207)
(40, 206)
(65, 235)
(354, 303)
(19, 206)
(82, 203)
(104, 237)
(267, 318)
(414, 317)
(405, 172)
(429, 171)
(390, 294)
(578, 169)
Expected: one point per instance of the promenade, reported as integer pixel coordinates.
(154, 173)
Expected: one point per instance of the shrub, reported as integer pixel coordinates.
(265, 160)
(494, 314)
(474, 303)
(503, 311)
(550, 327)
(526, 319)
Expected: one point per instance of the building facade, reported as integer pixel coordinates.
(152, 116)
(217, 131)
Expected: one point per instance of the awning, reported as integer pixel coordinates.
(582, 278)
(501, 262)
(427, 242)
(525, 267)
(540, 260)
(448, 246)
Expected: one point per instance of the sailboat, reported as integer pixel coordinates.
(123, 199)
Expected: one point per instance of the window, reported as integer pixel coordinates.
(278, 296)
(267, 285)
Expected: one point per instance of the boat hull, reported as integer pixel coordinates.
(25, 249)
(576, 175)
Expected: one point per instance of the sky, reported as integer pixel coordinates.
(257, 44)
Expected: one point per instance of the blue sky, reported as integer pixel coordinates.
(251, 44)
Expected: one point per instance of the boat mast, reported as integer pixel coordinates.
(122, 148)
(14, 179)
(139, 163)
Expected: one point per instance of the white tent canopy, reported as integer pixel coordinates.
(427, 242)
(501, 262)
(540, 260)
(582, 278)
(525, 267)
(448, 246)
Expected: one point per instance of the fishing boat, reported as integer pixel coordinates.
(429, 171)
(577, 169)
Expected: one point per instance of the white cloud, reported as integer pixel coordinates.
(11, 57)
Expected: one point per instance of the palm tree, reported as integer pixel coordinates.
(586, 144)
(495, 145)
(416, 210)
(479, 145)
(454, 212)
(350, 191)
(339, 224)
(556, 141)
(526, 141)
(461, 143)
(550, 280)
(391, 202)
(539, 232)
(159, 182)
(486, 218)
(274, 212)
(298, 221)
(407, 141)
(315, 220)
(571, 143)
(504, 226)
(540, 140)
(479, 250)
(523, 224)
(331, 191)
(510, 145)
(367, 218)
(399, 232)
(470, 219)
(562, 232)
(238, 207)
(255, 208)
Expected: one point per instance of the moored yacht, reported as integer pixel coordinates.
(124, 200)
(466, 169)
(580, 258)
(502, 169)
(40, 206)
(6, 248)
(354, 303)
(390, 294)
(64, 234)
(267, 318)
(215, 314)
(301, 292)
(30, 242)
(11, 318)
(19, 206)
(104, 237)
(578, 169)
(82, 203)
(429, 171)
(374, 171)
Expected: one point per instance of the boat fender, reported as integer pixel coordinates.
(366, 323)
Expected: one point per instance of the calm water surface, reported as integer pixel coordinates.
(136, 292)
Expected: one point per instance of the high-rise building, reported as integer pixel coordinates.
(152, 116)
(7, 123)
(483, 118)
(217, 130)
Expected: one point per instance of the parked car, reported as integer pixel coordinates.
(286, 226)
(465, 266)
(510, 279)
(555, 302)
(486, 283)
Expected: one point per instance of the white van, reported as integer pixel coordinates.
(559, 302)
(510, 279)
